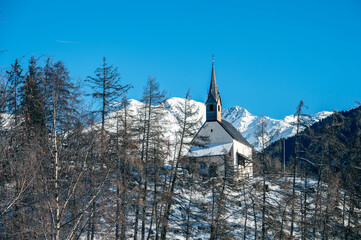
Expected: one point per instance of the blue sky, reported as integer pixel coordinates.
(268, 54)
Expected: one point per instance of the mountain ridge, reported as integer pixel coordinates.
(245, 122)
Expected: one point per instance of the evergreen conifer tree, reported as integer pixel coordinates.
(107, 89)
(32, 99)
(15, 78)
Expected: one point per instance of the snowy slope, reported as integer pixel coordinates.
(246, 123)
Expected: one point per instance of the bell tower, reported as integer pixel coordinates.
(213, 103)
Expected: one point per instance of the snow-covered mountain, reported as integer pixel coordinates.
(248, 124)
(245, 122)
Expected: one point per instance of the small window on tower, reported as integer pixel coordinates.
(219, 108)
(211, 107)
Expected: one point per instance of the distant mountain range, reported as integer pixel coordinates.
(246, 123)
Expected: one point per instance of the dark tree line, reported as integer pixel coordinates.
(323, 162)
(110, 172)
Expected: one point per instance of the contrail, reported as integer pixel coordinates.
(68, 42)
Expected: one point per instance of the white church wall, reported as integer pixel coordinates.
(245, 151)
(215, 132)
(242, 149)
(218, 135)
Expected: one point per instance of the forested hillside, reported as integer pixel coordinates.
(338, 135)
(328, 151)
(111, 172)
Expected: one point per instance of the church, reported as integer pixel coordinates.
(218, 149)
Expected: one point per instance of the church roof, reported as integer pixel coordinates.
(210, 150)
(213, 91)
(234, 132)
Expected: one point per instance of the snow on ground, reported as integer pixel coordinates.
(211, 150)
(243, 209)
(5, 120)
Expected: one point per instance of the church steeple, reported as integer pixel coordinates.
(213, 91)
(213, 103)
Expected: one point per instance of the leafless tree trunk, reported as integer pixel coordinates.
(189, 125)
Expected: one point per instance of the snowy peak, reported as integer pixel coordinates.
(237, 111)
(174, 106)
(320, 115)
(239, 117)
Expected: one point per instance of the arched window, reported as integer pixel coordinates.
(219, 108)
(211, 107)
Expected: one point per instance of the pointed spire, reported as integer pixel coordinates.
(213, 91)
